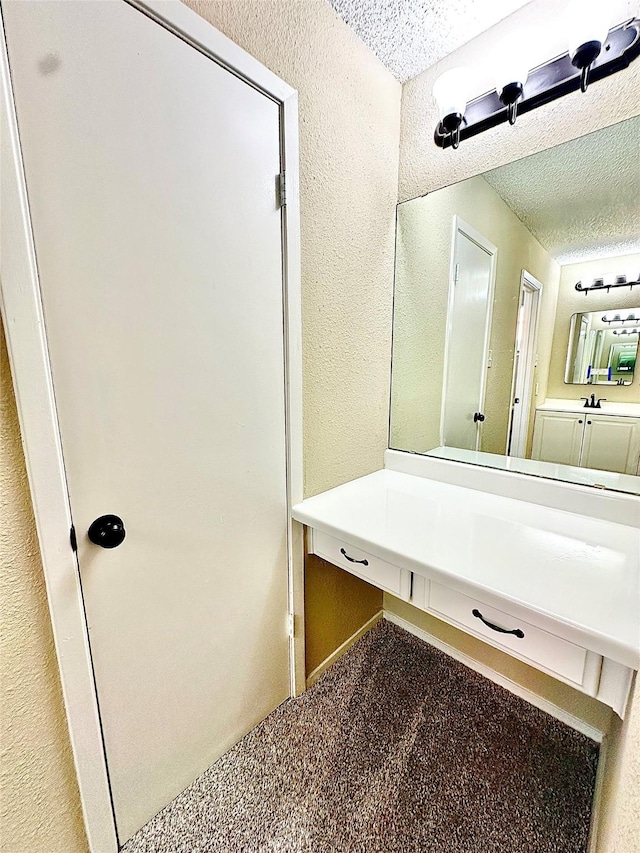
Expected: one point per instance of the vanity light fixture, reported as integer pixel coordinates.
(588, 25)
(593, 55)
(606, 284)
(626, 331)
(451, 91)
(511, 72)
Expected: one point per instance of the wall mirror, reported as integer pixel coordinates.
(502, 282)
(603, 347)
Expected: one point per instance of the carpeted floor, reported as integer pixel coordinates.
(397, 749)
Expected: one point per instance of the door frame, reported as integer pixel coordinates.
(459, 225)
(21, 307)
(531, 284)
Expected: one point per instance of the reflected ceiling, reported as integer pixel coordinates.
(581, 200)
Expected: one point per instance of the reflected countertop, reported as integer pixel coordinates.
(625, 410)
(574, 575)
(628, 483)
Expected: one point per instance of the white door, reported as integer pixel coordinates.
(611, 444)
(557, 437)
(151, 174)
(467, 341)
(524, 362)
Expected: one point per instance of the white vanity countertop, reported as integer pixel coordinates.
(576, 576)
(624, 410)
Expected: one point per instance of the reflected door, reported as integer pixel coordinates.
(151, 173)
(467, 344)
(524, 365)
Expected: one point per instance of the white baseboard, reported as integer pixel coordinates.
(512, 686)
(326, 663)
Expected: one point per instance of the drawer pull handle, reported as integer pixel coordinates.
(516, 631)
(351, 560)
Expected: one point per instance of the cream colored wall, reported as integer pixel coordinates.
(424, 168)
(423, 257)
(571, 301)
(349, 140)
(39, 801)
(620, 820)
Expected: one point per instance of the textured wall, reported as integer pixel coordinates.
(39, 802)
(540, 29)
(423, 256)
(569, 302)
(620, 828)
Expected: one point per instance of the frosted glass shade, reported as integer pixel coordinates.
(511, 66)
(587, 21)
(451, 91)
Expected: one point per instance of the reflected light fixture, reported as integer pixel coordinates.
(626, 331)
(594, 52)
(618, 318)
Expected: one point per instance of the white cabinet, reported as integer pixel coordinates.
(587, 439)
(363, 564)
(611, 444)
(557, 437)
(560, 658)
(543, 584)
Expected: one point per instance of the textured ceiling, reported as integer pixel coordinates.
(581, 200)
(410, 35)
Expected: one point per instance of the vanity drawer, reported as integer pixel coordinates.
(384, 575)
(558, 657)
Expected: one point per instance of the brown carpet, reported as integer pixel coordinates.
(398, 748)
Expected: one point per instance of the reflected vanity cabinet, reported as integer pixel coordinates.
(587, 439)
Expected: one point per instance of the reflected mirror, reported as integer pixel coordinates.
(603, 347)
(511, 288)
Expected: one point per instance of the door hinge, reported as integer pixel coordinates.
(72, 539)
(456, 273)
(282, 189)
(291, 625)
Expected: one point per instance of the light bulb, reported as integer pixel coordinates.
(588, 27)
(451, 91)
(511, 70)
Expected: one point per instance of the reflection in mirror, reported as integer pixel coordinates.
(603, 347)
(490, 332)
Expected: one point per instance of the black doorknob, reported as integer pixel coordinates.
(107, 531)
(478, 416)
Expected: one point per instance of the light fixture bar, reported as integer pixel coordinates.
(599, 284)
(547, 82)
(618, 318)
